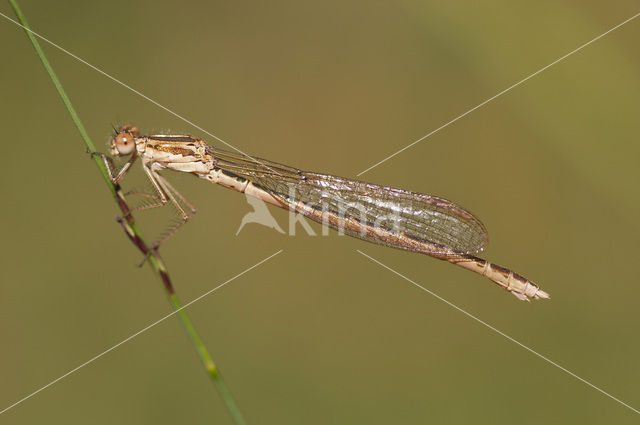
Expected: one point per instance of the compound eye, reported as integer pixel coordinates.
(124, 143)
(129, 128)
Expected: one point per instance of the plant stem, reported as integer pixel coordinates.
(134, 234)
(208, 363)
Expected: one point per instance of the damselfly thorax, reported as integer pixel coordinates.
(384, 215)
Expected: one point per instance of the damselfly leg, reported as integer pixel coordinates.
(168, 193)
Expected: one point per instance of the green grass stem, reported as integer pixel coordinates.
(134, 233)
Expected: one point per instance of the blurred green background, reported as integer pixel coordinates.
(320, 334)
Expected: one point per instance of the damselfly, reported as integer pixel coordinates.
(384, 215)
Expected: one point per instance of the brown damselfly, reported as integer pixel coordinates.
(384, 215)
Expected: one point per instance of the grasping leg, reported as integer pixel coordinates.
(108, 162)
(166, 193)
(172, 193)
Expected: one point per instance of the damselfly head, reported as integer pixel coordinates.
(123, 143)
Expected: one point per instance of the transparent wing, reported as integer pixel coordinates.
(417, 216)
